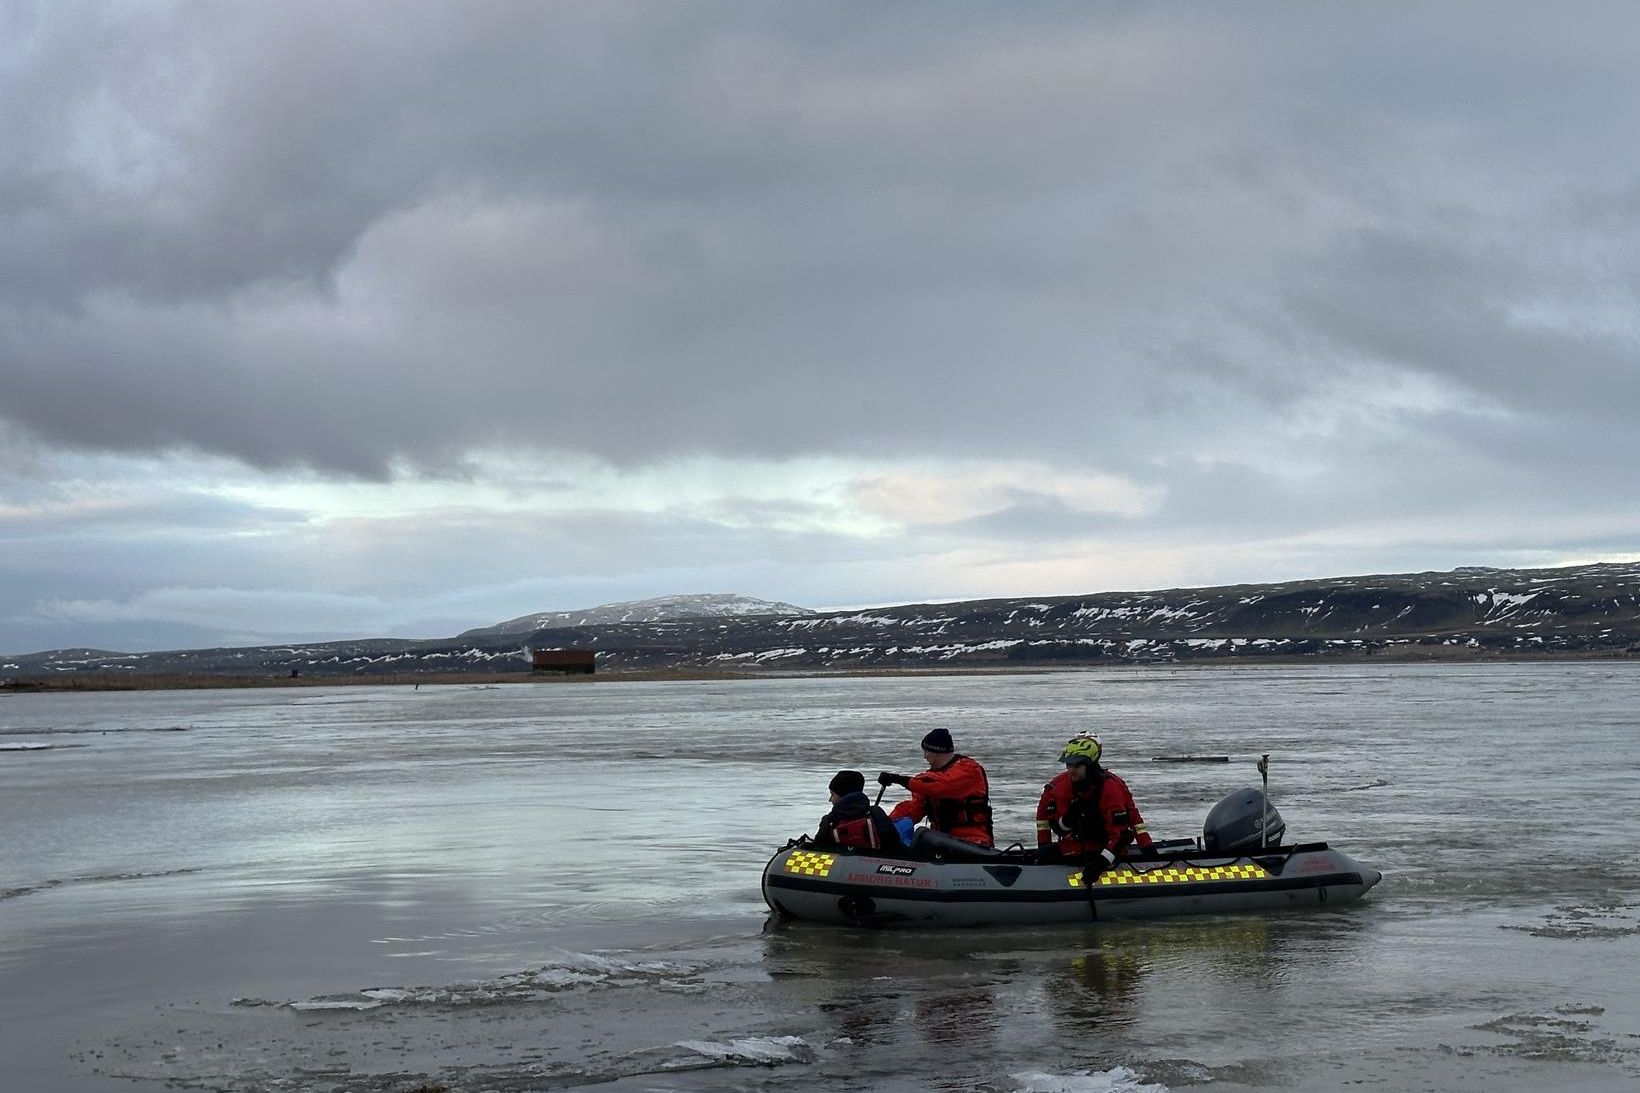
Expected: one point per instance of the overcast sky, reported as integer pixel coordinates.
(362, 319)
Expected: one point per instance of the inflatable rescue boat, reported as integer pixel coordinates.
(1240, 864)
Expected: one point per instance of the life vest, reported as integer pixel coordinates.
(1085, 816)
(1085, 820)
(861, 833)
(947, 813)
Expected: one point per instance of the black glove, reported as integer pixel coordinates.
(889, 778)
(1096, 864)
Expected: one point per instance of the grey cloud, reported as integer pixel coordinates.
(1429, 306)
(20, 636)
(1039, 520)
(139, 586)
(371, 239)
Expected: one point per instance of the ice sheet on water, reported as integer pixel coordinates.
(1115, 1080)
(1603, 919)
(1569, 1033)
(750, 1050)
(319, 1004)
(566, 971)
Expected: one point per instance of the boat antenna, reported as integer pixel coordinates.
(1264, 823)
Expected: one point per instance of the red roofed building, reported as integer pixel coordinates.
(569, 662)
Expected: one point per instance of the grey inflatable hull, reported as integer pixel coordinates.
(852, 887)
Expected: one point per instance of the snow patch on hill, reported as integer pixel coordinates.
(707, 605)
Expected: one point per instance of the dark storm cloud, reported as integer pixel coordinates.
(370, 239)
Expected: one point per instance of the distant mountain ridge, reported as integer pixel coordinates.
(1468, 612)
(706, 605)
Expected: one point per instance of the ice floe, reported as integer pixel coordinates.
(569, 971)
(1116, 1080)
(752, 1050)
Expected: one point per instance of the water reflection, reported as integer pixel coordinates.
(1134, 971)
(994, 990)
(1094, 990)
(869, 984)
(965, 1015)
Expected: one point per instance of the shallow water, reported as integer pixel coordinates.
(555, 886)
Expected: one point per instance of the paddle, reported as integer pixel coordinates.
(1090, 881)
(882, 785)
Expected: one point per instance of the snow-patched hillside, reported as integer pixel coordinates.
(706, 605)
(1577, 610)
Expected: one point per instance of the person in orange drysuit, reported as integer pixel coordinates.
(953, 794)
(1090, 809)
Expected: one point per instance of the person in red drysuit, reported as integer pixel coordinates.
(1090, 810)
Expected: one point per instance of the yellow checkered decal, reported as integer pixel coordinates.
(809, 863)
(1172, 874)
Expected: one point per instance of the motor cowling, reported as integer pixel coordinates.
(1243, 820)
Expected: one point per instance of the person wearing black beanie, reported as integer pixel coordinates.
(854, 820)
(953, 794)
(845, 782)
(938, 740)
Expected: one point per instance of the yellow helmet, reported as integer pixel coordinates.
(1083, 749)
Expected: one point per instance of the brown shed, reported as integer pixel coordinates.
(569, 662)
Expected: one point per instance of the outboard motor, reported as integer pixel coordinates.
(1242, 821)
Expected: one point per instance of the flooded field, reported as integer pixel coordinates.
(520, 888)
